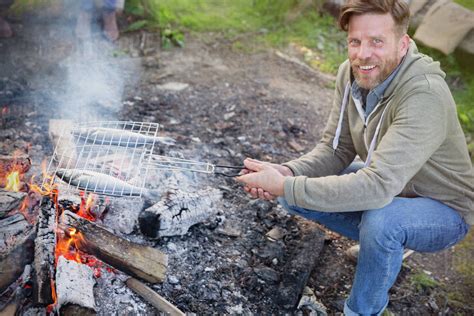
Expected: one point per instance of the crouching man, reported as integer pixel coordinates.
(392, 108)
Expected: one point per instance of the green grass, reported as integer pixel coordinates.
(256, 24)
(421, 281)
(466, 3)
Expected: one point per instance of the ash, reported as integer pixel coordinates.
(113, 297)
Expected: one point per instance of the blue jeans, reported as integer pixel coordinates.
(108, 5)
(421, 224)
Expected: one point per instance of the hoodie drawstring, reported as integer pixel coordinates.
(335, 141)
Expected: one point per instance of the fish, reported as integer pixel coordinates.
(97, 182)
(118, 137)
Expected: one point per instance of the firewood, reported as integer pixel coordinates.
(140, 261)
(21, 163)
(153, 298)
(74, 288)
(178, 211)
(300, 263)
(10, 201)
(45, 245)
(16, 248)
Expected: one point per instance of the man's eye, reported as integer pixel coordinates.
(377, 41)
(354, 42)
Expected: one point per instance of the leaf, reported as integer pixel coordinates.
(135, 26)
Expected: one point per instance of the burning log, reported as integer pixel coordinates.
(16, 248)
(20, 163)
(178, 211)
(140, 261)
(301, 262)
(44, 253)
(10, 201)
(74, 288)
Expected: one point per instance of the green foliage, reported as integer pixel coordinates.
(421, 281)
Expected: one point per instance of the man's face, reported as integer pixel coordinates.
(374, 47)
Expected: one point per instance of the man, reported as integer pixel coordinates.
(5, 28)
(394, 110)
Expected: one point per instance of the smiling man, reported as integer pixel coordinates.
(393, 109)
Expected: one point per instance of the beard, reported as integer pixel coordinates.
(382, 70)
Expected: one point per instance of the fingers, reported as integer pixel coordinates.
(258, 193)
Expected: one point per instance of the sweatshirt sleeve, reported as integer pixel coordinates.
(417, 129)
(323, 160)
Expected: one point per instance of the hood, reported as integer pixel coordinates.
(414, 64)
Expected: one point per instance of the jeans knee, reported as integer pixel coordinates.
(377, 229)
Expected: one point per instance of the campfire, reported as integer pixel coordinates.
(52, 230)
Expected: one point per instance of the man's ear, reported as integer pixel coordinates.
(404, 44)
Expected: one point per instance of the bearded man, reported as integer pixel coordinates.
(393, 109)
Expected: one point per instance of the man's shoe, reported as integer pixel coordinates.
(5, 29)
(110, 26)
(353, 253)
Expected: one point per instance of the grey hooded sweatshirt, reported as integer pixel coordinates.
(412, 143)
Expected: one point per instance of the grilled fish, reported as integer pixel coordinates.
(118, 137)
(97, 182)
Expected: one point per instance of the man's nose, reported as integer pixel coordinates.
(364, 51)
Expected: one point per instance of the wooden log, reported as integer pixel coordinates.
(140, 261)
(300, 263)
(45, 245)
(21, 163)
(153, 298)
(74, 288)
(10, 201)
(16, 248)
(177, 211)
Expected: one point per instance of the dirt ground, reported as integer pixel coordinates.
(221, 105)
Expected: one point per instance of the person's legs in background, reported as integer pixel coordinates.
(84, 19)
(5, 28)
(109, 18)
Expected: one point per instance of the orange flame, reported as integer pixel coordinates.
(86, 205)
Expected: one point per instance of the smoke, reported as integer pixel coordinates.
(84, 77)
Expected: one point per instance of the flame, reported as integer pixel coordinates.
(86, 205)
(13, 181)
(48, 187)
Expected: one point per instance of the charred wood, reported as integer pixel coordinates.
(20, 163)
(74, 288)
(301, 261)
(15, 295)
(137, 260)
(16, 248)
(177, 211)
(45, 245)
(10, 201)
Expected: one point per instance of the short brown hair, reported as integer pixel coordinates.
(398, 9)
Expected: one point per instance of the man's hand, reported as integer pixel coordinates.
(264, 180)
